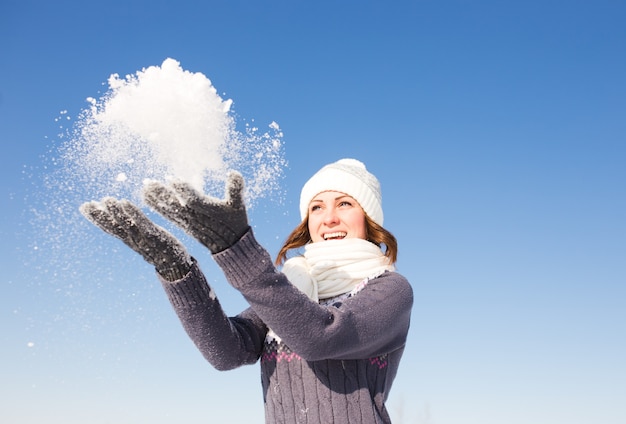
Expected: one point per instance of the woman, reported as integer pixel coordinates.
(329, 329)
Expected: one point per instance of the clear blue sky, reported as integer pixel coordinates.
(497, 130)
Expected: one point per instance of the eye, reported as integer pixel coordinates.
(314, 208)
(345, 203)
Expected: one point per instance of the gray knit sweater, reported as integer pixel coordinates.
(334, 362)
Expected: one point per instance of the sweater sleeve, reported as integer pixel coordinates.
(372, 323)
(226, 342)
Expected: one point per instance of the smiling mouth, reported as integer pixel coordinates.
(335, 236)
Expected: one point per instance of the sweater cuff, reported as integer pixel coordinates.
(191, 290)
(244, 261)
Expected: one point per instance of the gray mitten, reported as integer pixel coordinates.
(216, 223)
(125, 221)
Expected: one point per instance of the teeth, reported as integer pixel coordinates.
(338, 234)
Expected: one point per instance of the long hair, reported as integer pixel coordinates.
(375, 233)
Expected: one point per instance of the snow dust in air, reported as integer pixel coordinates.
(166, 123)
(160, 123)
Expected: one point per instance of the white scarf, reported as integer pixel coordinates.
(335, 267)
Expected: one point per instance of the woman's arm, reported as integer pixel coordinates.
(225, 342)
(372, 323)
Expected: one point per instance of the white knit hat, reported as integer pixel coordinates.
(347, 176)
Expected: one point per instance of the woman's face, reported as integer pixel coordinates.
(334, 215)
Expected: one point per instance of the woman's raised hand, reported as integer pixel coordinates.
(216, 223)
(128, 223)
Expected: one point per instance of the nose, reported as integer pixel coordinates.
(331, 217)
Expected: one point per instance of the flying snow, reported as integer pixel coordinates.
(160, 123)
(165, 123)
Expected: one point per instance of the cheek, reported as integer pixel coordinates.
(312, 226)
(363, 231)
(357, 223)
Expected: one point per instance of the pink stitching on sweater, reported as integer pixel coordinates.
(282, 356)
(380, 361)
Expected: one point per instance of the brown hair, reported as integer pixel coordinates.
(375, 233)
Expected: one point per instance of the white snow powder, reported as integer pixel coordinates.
(171, 123)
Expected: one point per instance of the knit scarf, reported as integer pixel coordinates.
(330, 268)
